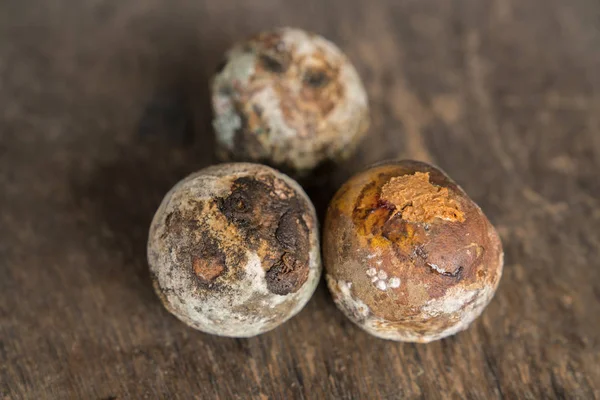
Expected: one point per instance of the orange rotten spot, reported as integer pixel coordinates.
(419, 201)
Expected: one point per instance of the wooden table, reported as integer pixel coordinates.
(104, 106)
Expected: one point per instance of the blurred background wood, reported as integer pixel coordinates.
(104, 106)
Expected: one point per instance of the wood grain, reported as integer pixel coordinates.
(104, 106)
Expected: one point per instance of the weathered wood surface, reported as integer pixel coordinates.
(104, 106)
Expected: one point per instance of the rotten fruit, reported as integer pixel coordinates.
(408, 255)
(290, 99)
(233, 249)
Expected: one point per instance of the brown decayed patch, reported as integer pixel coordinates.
(261, 213)
(287, 275)
(321, 86)
(207, 269)
(271, 221)
(419, 201)
(197, 242)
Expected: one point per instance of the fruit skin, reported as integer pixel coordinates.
(290, 99)
(415, 279)
(233, 249)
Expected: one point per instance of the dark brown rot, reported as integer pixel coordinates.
(233, 249)
(408, 255)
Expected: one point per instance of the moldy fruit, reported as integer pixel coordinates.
(233, 249)
(408, 255)
(290, 99)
